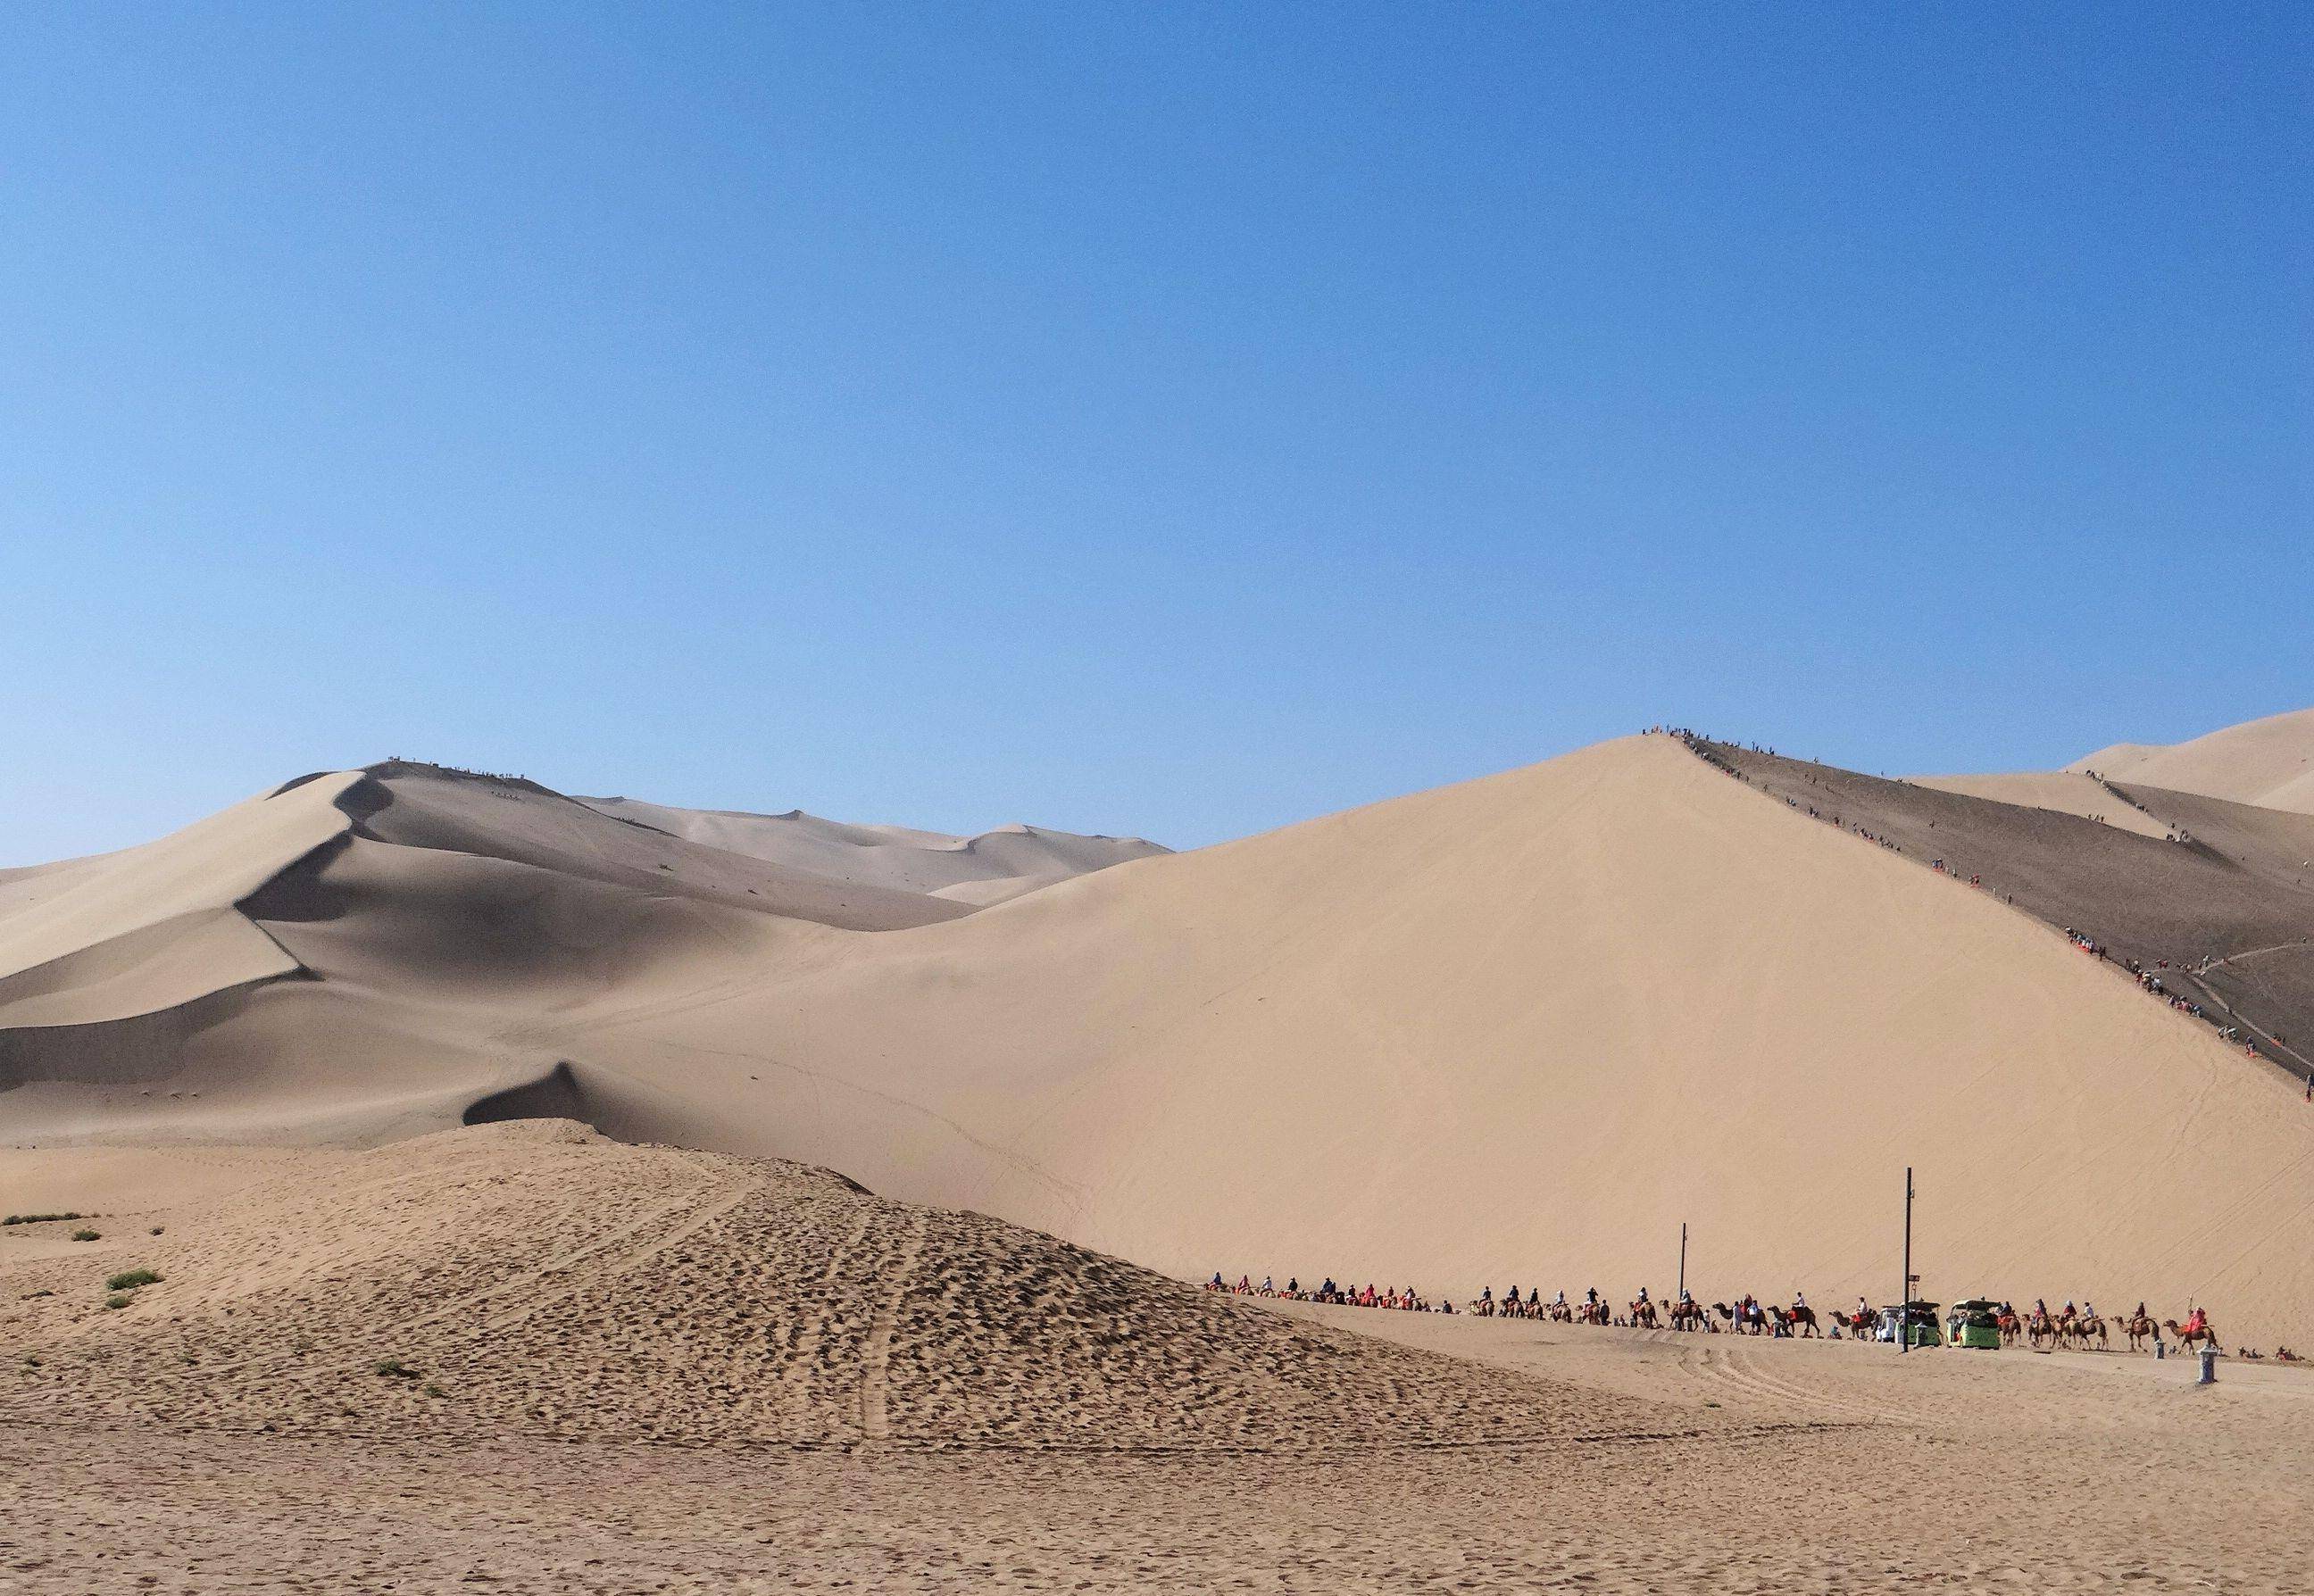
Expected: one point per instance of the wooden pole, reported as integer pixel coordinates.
(1683, 1261)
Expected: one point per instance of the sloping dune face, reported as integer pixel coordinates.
(535, 1278)
(2066, 792)
(2269, 762)
(2212, 899)
(124, 934)
(987, 868)
(1522, 1027)
(1516, 1030)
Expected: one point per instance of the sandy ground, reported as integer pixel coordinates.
(1984, 1472)
(647, 1369)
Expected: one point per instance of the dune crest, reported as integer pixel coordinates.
(2269, 762)
(988, 868)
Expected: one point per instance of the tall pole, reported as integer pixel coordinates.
(1905, 1298)
(1682, 1260)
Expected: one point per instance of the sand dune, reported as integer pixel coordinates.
(2269, 762)
(536, 1279)
(124, 934)
(987, 868)
(1520, 1028)
(2067, 793)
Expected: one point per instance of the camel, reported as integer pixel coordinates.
(2206, 1334)
(1561, 1314)
(1802, 1315)
(1688, 1316)
(1643, 1316)
(2140, 1329)
(2040, 1327)
(2083, 1328)
(2011, 1326)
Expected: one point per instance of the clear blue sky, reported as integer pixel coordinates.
(1178, 421)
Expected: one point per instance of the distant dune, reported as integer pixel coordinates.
(987, 868)
(1518, 1028)
(2269, 762)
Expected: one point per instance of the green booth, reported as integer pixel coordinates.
(1920, 1327)
(1980, 1324)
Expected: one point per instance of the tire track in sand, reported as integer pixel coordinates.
(875, 1358)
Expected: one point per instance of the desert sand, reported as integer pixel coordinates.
(2069, 792)
(987, 868)
(521, 1357)
(2268, 763)
(1519, 1028)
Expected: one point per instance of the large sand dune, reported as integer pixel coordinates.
(1520, 1028)
(2269, 762)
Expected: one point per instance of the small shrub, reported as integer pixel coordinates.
(87, 1236)
(156, 1231)
(434, 1390)
(129, 1280)
(118, 1299)
(43, 1291)
(394, 1369)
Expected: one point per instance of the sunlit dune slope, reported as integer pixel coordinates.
(534, 1278)
(2269, 762)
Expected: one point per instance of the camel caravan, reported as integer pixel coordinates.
(1979, 1323)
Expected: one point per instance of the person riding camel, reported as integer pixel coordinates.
(1562, 1296)
(2197, 1322)
(1799, 1299)
(1592, 1296)
(1215, 1284)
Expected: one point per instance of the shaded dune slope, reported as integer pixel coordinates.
(2066, 791)
(535, 1278)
